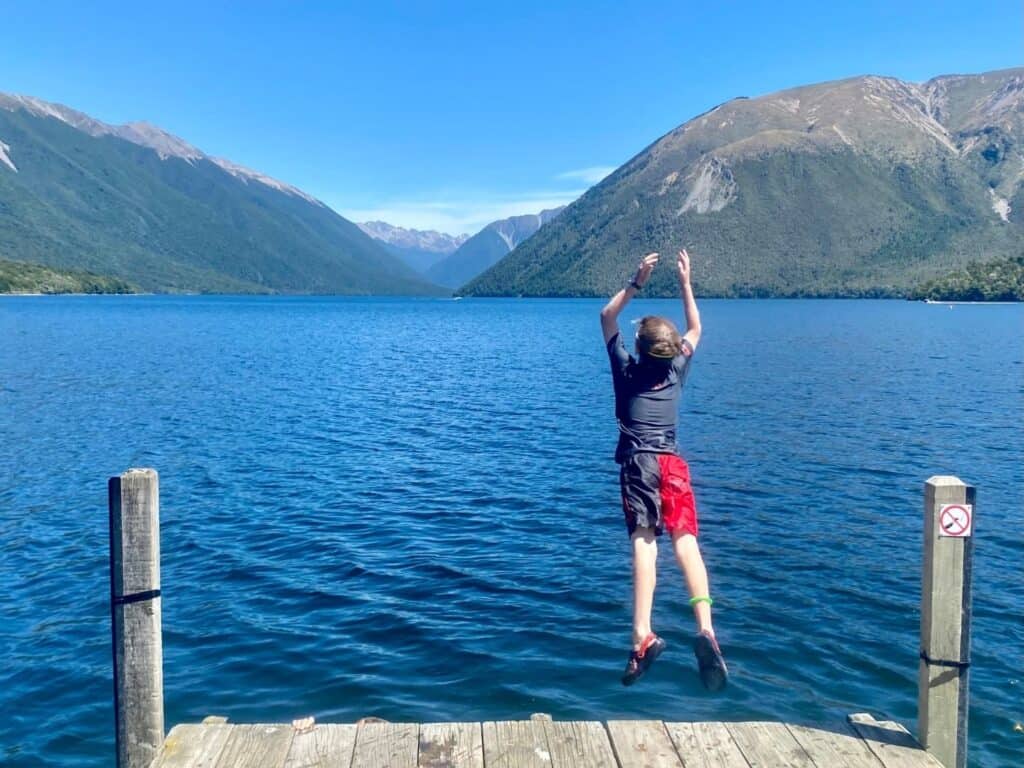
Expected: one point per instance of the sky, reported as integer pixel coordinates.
(450, 115)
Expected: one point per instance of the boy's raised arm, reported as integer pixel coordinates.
(692, 334)
(610, 313)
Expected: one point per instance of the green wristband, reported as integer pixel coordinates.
(695, 600)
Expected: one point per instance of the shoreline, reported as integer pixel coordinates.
(16, 294)
(987, 303)
(40, 293)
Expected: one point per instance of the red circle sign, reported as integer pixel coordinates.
(955, 520)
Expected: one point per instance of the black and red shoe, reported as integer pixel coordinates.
(640, 661)
(713, 672)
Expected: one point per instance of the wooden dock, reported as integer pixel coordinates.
(540, 742)
(861, 742)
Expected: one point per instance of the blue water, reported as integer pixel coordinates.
(408, 508)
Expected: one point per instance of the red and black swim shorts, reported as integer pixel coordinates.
(656, 493)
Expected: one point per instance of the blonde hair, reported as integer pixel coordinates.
(658, 337)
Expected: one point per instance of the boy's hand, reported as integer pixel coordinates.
(683, 267)
(644, 268)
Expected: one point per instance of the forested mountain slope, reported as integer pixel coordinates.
(864, 186)
(137, 203)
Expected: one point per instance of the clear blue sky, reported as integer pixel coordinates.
(449, 115)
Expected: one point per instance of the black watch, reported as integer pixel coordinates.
(636, 285)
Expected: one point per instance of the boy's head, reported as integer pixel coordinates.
(657, 337)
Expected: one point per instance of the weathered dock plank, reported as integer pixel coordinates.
(841, 748)
(706, 745)
(575, 743)
(386, 745)
(451, 745)
(643, 744)
(543, 743)
(891, 743)
(255, 746)
(192, 745)
(324, 746)
(766, 744)
(516, 744)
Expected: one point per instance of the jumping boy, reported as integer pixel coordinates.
(655, 481)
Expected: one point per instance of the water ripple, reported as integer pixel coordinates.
(416, 531)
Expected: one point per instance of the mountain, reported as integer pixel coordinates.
(865, 186)
(137, 203)
(487, 246)
(418, 248)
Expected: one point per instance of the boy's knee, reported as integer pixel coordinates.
(685, 543)
(644, 536)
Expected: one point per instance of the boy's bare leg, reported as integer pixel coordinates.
(689, 558)
(645, 560)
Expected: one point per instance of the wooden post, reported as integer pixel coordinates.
(946, 619)
(135, 616)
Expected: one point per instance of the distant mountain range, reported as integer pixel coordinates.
(418, 248)
(453, 260)
(137, 203)
(865, 186)
(487, 247)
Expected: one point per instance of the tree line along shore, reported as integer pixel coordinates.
(999, 280)
(23, 277)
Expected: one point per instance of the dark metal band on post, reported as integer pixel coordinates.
(943, 662)
(136, 597)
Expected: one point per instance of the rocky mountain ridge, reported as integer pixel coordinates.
(425, 240)
(165, 144)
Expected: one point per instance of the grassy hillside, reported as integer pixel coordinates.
(23, 277)
(107, 205)
(840, 189)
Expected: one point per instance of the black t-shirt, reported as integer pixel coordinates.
(647, 393)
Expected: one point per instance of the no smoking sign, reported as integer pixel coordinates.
(955, 520)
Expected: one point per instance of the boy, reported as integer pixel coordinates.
(655, 481)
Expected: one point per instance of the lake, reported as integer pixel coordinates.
(408, 508)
